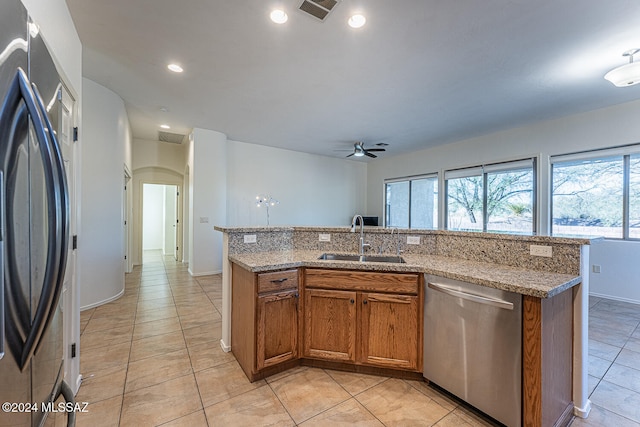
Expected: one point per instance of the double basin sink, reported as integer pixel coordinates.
(362, 258)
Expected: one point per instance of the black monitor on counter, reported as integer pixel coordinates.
(368, 220)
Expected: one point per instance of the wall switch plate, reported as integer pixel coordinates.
(596, 268)
(324, 237)
(204, 220)
(539, 250)
(250, 238)
(413, 240)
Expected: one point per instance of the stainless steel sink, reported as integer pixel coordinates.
(363, 258)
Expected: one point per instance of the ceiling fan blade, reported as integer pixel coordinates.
(366, 152)
(375, 149)
(350, 154)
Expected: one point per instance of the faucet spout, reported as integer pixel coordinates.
(353, 230)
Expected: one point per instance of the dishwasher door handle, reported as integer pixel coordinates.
(471, 297)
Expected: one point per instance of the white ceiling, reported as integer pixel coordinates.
(420, 73)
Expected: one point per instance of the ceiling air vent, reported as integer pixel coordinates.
(318, 8)
(173, 138)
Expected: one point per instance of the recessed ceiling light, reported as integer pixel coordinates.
(165, 126)
(279, 16)
(175, 68)
(357, 21)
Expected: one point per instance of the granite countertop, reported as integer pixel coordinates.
(526, 282)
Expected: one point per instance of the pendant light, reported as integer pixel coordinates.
(627, 74)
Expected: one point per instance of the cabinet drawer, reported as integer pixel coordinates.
(277, 281)
(362, 281)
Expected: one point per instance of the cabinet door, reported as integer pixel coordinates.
(330, 325)
(389, 330)
(276, 328)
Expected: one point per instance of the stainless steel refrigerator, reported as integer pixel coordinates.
(34, 224)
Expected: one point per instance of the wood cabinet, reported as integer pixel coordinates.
(264, 320)
(366, 318)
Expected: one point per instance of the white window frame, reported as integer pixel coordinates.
(409, 179)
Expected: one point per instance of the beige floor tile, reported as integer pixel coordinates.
(106, 338)
(156, 314)
(439, 397)
(223, 382)
(618, 400)
(154, 304)
(308, 393)
(396, 403)
(115, 309)
(86, 314)
(355, 383)
(97, 359)
(156, 327)
(157, 369)
(191, 321)
(259, 407)
(103, 384)
(208, 355)
(203, 334)
(105, 413)
(157, 345)
(600, 417)
(106, 323)
(197, 419)
(161, 403)
(624, 376)
(453, 420)
(347, 414)
(154, 292)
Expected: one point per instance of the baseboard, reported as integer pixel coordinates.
(611, 297)
(226, 348)
(99, 303)
(206, 273)
(582, 412)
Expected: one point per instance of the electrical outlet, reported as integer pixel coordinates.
(596, 268)
(413, 240)
(250, 238)
(324, 237)
(539, 250)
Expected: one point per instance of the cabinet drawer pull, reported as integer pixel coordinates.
(364, 302)
(284, 279)
(352, 301)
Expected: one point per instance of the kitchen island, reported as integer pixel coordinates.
(554, 292)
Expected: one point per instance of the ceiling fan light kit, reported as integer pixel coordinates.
(627, 74)
(360, 151)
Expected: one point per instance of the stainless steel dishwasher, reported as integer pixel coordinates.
(473, 345)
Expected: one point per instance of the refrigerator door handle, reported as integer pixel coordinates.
(61, 233)
(57, 207)
(471, 297)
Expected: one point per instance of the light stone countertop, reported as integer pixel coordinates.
(526, 282)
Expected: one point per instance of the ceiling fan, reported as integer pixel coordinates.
(359, 150)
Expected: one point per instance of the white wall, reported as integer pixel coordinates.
(159, 154)
(169, 220)
(617, 125)
(311, 189)
(105, 138)
(207, 160)
(152, 216)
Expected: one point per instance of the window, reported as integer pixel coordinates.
(597, 194)
(412, 202)
(497, 198)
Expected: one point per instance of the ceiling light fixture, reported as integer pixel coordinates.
(357, 21)
(627, 74)
(165, 126)
(279, 16)
(175, 68)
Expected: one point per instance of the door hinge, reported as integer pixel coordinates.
(125, 257)
(74, 244)
(177, 248)
(177, 221)
(75, 134)
(73, 350)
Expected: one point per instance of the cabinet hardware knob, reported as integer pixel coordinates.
(352, 301)
(364, 302)
(279, 280)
